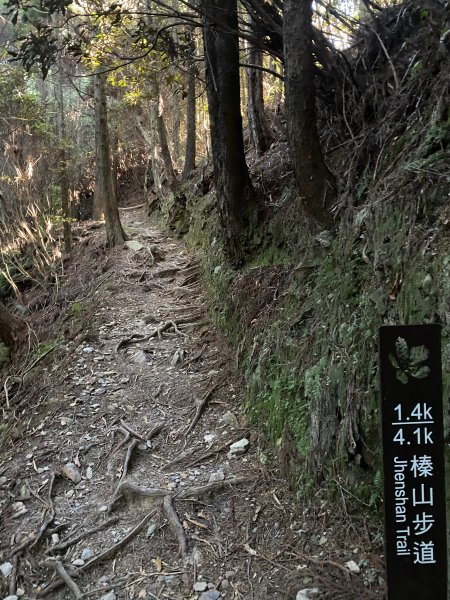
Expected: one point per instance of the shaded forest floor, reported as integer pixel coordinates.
(115, 465)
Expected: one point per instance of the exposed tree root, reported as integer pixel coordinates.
(106, 555)
(131, 491)
(133, 339)
(209, 488)
(126, 464)
(70, 542)
(154, 432)
(201, 407)
(132, 431)
(13, 576)
(175, 524)
(49, 516)
(67, 579)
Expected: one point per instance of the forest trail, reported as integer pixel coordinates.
(119, 476)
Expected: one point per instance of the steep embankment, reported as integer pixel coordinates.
(304, 312)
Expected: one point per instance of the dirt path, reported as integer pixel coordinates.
(128, 433)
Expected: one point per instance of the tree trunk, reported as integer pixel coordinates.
(164, 145)
(176, 123)
(149, 137)
(63, 159)
(105, 198)
(9, 326)
(260, 132)
(316, 183)
(191, 130)
(236, 198)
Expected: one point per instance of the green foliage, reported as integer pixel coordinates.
(45, 347)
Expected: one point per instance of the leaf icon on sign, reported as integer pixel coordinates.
(409, 362)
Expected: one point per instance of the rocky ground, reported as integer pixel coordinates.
(128, 469)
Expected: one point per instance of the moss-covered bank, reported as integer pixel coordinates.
(304, 312)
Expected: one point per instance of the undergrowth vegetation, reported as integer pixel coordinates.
(309, 350)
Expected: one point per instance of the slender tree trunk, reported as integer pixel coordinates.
(176, 124)
(9, 326)
(149, 137)
(316, 183)
(115, 164)
(104, 189)
(260, 132)
(191, 133)
(236, 198)
(176, 120)
(63, 159)
(164, 144)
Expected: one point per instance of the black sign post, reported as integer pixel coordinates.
(413, 461)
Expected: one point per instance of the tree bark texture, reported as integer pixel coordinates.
(163, 143)
(63, 160)
(191, 130)
(9, 326)
(260, 132)
(236, 199)
(316, 183)
(104, 189)
(176, 124)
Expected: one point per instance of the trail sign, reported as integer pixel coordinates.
(413, 462)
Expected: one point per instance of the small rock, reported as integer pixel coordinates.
(3, 480)
(88, 350)
(216, 476)
(99, 391)
(307, 593)
(5, 569)
(89, 473)
(71, 471)
(11, 598)
(230, 419)
(25, 492)
(109, 596)
(209, 438)
(169, 579)
(323, 540)
(151, 529)
(70, 494)
(19, 509)
(210, 595)
(133, 245)
(352, 567)
(87, 554)
(104, 580)
(230, 574)
(200, 586)
(224, 584)
(55, 539)
(20, 591)
(103, 508)
(239, 447)
(78, 562)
